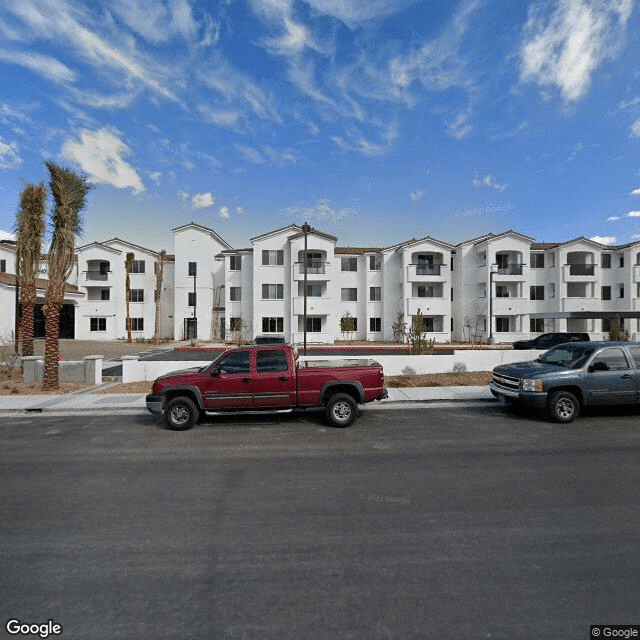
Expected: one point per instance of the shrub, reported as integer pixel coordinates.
(459, 367)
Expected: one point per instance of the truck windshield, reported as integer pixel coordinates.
(567, 355)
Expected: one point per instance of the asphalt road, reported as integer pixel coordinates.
(449, 522)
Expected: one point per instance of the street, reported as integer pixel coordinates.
(452, 521)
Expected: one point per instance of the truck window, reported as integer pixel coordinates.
(238, 362)
(272, 361)
(635, 354)
(614, 359)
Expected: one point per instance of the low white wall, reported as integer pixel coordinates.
(134, 370)
(88, 370)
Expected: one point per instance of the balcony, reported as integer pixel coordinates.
(315, 305)
(581, 304)
(425, 273)
(511, 272)
(316, 271)
(428, 306)
(96, 279)
(511, 306)
(579, 272)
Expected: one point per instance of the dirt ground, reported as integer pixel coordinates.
(78, 349)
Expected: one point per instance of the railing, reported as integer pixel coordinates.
(582, 270)
(514, 269)
(97, 275)
(312, 267)
(428, 269)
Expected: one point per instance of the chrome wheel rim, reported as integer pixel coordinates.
(342, 411)
(179, 414)
(565, 408)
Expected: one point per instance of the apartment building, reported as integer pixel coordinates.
(501, 286)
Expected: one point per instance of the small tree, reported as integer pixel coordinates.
(420, 345)
(399, 328)
(128, 265)
(348, 325)
(162, 258)
(240, 331)
(617, 333)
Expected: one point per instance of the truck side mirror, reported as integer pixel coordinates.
(215, 371)
(598, 366)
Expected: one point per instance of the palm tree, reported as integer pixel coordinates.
(69, 193)
(30, 225)
(162, 258)
(128, 265)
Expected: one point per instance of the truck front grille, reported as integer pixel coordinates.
(507, 382)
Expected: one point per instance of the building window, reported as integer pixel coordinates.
(105, 294)
(272, 258)
(536, 325)
(502, 324)
(137, 324)
(313, 290)
(621, 261)
(425, 291)
(606, 261)
(375, 325)
(552, 290)
(348, 324)
(348, 295)
(193, 269)
(349, 264)
(97, 324)
(137, 266)
(235, 263)
(3, 266)
(536, 260)
(426, 326)
(314, 325)
(620, 291)
(235, 294)
(375, 294)
(502, 291)
(272, 325)
(191, 299)
(235, 324)
(606, 325)
(272, 291)
(375, 263)
(136, 295)
(606, 293)
(536, 293)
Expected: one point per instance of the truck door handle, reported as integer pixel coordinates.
(246, 379)
(283, 378)
(626, 376)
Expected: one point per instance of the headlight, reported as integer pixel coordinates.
(535, 384)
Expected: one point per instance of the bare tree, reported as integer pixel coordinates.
(69, 193)
(162, 258)
(348, 325)
(30, 226)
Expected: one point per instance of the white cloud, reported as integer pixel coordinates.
(250, 154)
(355, 12)
(155, 176)
(604, 239)
(489, 181)
(564, 49)
(9, 158)
(202, 200)
(321, 211)
(5, 235)
(613, 218)
(224, 213)
(43, 65)
(634, 214)
(417, 194)
(635, 129)
(101, 155)
(635, 192)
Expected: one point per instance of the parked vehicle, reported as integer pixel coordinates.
(570, 376)
(548, 340)
(266, 378)
(273, 338)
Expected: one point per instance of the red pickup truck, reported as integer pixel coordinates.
(266, 378)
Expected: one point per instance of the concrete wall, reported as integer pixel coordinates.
(88, 370)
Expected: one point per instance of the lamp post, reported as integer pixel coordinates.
(491, 339)
(305, 230)
(195, 300)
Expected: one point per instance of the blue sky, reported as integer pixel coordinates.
(376, 121)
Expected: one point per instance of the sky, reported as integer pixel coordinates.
(376, 121)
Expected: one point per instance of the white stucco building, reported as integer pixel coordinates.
(506, 286)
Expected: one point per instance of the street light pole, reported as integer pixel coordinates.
(195, 301)
(305, 229)
(491, 339)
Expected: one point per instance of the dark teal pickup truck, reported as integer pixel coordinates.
(570, 376)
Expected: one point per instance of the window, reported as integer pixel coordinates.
(105, 294)
(191, 299)
(237, 362)
(552, 290)
(537, 260)
(314, 263)
(313, 290)
(235, 294)
(375, 294)
(314, 325)
(97, 324)
(621, 261)
(348, 295)
(137, 266)
(635, 354)
(349, 264)
(375, 263)
(235, 263)
(502, 291)
(606, 293)
(427, 324)
(235, 324)
(272, 257)
(3, 266)
(272, 325)
(348, 324)
(375, 325)
(620, 291)
(193, 269)
(502, 324)
(272, 291)
(606, 325)
(137, 324)
(536, 293)
(612, 359)
(536, 325)
(425, 291)
(136, 295)
(271, 361)
(606, 261)
(451, 264)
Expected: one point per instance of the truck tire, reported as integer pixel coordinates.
(563, 407)
(342, 410)
(181, 413)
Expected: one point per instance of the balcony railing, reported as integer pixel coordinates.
(428, 269)
(513, 269)
(582, 270)
(312, 267)
(97, 276)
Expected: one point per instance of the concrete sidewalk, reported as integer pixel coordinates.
(91, 402)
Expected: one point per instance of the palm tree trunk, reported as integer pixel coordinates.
(55, 296)
(25, 329)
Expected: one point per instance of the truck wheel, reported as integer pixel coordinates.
(181, 414)
(563, 407)
(342, 410)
